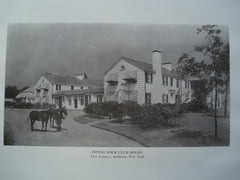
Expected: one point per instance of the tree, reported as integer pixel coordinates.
(215, 50)
(11, 91)
(187, 66)
(215, 65)
(224, 64)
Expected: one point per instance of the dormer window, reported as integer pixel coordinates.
(122, 68)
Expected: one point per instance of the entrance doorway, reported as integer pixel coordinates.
(75, 103)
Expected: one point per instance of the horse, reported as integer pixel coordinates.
(57, 115)
(39, 116)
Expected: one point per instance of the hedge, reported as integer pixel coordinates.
(146, 116)
(24, 105)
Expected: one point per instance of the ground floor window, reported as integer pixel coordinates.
(177, 99)
(148, 98)
(165, 98)
(99, 98)
(70, 101)
(81, 101)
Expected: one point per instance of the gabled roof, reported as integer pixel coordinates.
(28, 90)
(146, 67)
(59, 79)
(80, 91)
(69, 80)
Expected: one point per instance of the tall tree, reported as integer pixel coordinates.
(215, 65)
(213, 49)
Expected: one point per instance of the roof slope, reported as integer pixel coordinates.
(80, 91)
(69, 80)
(146, 67)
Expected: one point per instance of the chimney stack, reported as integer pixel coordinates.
(157, 76)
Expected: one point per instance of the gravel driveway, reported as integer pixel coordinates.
(73, 133)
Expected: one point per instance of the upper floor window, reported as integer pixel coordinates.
(177, 82)
(72, 87)
(148, 78)
(165, 80)
(81, 87)
(58, 87)
(122, 68)
(171, 82)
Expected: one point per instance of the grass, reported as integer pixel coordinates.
(194, 130)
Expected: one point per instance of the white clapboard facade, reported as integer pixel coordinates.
(141, 82)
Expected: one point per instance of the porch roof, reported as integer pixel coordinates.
(80, 92)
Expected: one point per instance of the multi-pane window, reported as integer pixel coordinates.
(81, 101)
(165, 80)
(122, 68)
(177, 82)
(58, 87)
(148, 78)
(165, 98)
(177, 99)
(148, 98)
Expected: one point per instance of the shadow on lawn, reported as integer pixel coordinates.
(196, 138)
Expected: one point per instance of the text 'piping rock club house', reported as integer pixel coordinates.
(136, 81)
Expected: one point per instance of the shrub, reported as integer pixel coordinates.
(24, 105)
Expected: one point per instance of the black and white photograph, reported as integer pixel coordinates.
(117, 85)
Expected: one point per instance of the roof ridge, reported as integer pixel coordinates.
(60, 75)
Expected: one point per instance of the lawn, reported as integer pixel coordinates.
(194, 129)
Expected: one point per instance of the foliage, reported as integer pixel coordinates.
(11, 91)
(24, 105)
(214, 69)
(147, 116)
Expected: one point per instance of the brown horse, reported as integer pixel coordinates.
(57, 115)
(39, 116)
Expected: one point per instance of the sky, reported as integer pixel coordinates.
(70, 49)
